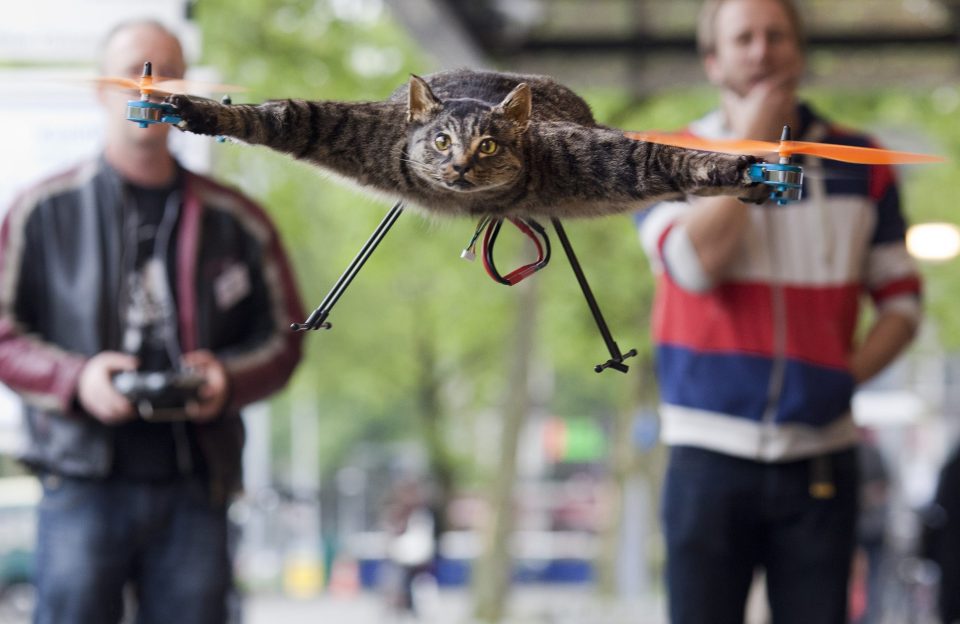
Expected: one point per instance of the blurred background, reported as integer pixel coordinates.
(440, 400)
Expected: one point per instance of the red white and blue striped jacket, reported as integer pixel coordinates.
(758, 366)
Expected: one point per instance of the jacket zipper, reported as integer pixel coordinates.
(182, 446)
(779, 363)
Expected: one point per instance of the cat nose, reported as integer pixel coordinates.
(461, 168)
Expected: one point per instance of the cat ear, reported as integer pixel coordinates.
(517, 106)
(422, 103)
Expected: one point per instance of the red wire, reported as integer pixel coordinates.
(520, 273)
(523, 227)
(491, 271)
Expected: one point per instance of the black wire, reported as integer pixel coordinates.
(543, 248)
(544, 238)
(493, 230)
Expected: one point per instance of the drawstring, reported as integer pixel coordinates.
(817, 195)
(822, 485)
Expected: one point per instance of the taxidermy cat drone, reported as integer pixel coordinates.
(498, 146)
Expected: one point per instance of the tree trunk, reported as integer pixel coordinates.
(623, 465)
(493, 569)
(430, 410)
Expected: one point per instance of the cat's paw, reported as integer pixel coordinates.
(197, 115)
(753, 192)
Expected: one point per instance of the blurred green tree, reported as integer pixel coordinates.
(414, 296)
(422, 341)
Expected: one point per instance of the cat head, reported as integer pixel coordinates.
(465, 145)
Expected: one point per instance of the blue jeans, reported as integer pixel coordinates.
(724, 516)
(166, 538)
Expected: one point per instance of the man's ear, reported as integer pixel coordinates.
(422, 103)
(517, 106)
(710, 68)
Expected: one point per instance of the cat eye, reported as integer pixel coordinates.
(442, 141)
(488, 146)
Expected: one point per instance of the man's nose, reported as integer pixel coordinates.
(759, 48)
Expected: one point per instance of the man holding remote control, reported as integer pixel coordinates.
(141, 306)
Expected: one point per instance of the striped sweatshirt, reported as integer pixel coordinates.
(758, 366)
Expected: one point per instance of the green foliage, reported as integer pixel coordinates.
(363, 375)
(415, 294)
(911, 120)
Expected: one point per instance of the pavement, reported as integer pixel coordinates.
(527, 605)
(555, 604)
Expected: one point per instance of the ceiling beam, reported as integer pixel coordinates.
(441, 31)
(600, 44)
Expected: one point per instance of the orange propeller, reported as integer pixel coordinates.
(147, 84)
(785, 149)
(151, 85)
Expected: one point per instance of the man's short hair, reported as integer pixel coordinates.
(126, 25)
(707, 24)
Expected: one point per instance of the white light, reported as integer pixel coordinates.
(360, 11)
(933, 241)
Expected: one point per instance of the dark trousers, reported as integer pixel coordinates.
(95, 536)
(724, 517)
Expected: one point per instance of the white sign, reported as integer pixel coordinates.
(47, 125)
(50, 119)
(57, 31)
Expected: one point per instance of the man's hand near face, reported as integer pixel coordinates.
(766, 105)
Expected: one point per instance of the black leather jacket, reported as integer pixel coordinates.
(60, 271)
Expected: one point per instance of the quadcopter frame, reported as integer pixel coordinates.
(318, 318)
(784, 179)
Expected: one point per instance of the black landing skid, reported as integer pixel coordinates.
(318, 318)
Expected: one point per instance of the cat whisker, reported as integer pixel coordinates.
(411, 160)
(425, 171)
(417, 164)
(428, 171)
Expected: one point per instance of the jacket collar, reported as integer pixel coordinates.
(113, 179)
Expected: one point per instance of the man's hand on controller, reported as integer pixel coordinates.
(95, 391)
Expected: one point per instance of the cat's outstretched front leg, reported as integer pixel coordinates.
(333, 135)
(295, 127)
(597, 171)
(203, 116)
(696, 172)
(722, 174)
(303, 128)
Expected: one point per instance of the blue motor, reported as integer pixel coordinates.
(145, 113)
(785, 180)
